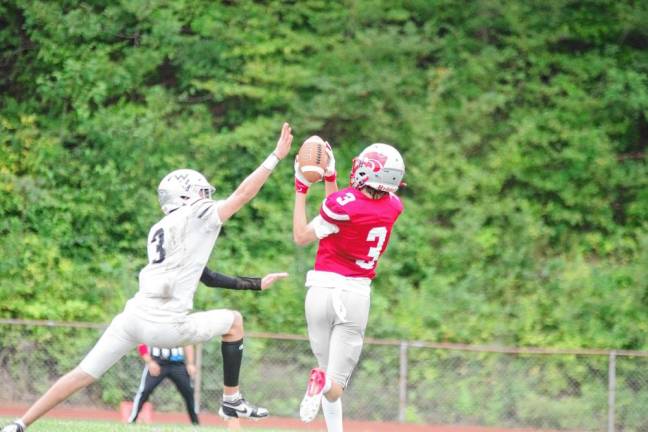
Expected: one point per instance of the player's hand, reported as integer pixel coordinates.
(191, 370)
(301, 184)
(329, 174)
(153, 368)
(271, 278)
(284, 142)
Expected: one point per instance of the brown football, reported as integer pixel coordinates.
(313, 159)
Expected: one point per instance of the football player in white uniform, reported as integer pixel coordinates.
(179, 246)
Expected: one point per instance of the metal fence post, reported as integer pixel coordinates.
(611, 390)
(402, 382)
(198, 377)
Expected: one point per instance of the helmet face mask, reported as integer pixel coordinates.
(380, 167)
(182, 187)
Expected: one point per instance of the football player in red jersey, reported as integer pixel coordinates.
(353, 228)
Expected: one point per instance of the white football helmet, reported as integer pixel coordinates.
(182, 187)
(379, 166)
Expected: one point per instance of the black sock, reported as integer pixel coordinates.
(232, 356)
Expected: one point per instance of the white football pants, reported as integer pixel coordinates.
(127, 330)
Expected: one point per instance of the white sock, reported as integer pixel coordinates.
(232, 398)
(332, 414)
(328, 383)
(21, 423)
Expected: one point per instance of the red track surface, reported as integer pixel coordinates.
(272, 423)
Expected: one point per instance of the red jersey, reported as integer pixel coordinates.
(365, 225)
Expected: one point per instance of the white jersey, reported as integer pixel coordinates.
(179, 246)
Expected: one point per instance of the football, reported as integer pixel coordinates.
(313, 159)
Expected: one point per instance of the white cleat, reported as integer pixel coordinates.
(310, 405)
(241, 408)
(14, 427)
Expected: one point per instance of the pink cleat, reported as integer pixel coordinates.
(310, 405)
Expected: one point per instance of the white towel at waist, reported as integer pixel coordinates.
(338, 283)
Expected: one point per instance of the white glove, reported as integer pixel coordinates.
(301, 184)
(330, 168)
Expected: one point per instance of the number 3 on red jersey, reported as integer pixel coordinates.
(378, 233)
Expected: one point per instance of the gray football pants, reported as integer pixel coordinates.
(337, 319)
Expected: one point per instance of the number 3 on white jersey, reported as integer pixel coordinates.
(378, 233)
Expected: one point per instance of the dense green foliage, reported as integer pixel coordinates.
(524, 126)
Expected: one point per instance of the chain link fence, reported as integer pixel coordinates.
(395, 381)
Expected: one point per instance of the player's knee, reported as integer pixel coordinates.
(238, 318)
(235, 331)
(237, 323)
(335, 392)
(80, 376)
(74, 380)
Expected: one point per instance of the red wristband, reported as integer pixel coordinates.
(300, 187)
(331, 178)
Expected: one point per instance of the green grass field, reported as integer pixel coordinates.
(53, 425)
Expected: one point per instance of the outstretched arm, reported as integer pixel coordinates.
(330, 175)
(218, 280)
(253, 183)
(303, 233)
